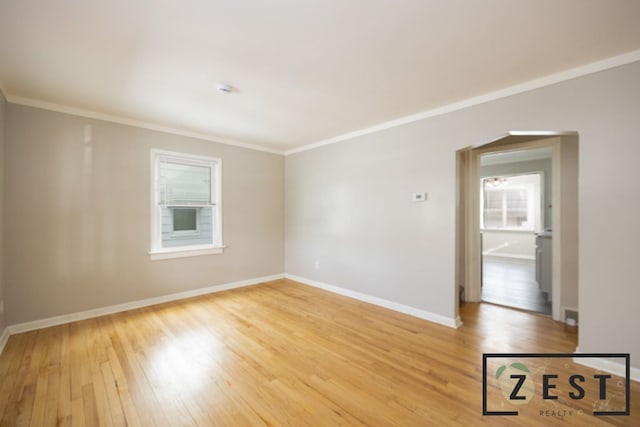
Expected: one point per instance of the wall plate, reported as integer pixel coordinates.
(419, 197)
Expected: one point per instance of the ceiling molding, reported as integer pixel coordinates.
(584, 70)
(131, 122)
(551, 79)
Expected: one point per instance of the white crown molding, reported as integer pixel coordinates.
(607, 366)
(29, 102)
(89, 314)
(613, 62)
(412, 311)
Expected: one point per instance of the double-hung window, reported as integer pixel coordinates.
(511, 203)
(185, 205)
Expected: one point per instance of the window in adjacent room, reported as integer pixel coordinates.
(511, 203)
(185, 206)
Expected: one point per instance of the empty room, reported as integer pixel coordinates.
(319, 213)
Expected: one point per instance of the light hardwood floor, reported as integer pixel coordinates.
(278, 353)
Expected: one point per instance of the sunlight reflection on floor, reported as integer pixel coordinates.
(187, 362)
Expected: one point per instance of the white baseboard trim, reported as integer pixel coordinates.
(412, 311)
(96, 312)
(609, 366)
(102, 311)
(4, 337)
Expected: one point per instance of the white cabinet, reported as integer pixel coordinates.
(544, 259)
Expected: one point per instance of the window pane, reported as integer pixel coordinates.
(182, 184)
(493, 199)
(506, 204)
(184, 220)
(492, 207)
(200, 233)
(517, 207)
(492, 219)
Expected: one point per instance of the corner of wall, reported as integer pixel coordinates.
(3, 330)
(4, 337)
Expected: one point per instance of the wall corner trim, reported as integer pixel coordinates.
(458, 322)
(607, 366)
(112, 309)
(4, 337)
(412, 311)
(3, 92)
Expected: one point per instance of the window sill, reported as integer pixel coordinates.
(185, 252)
(507, 230)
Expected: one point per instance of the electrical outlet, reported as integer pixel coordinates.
(317, 265)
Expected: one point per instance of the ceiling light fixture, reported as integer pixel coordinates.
(224, 88)
(495, 182)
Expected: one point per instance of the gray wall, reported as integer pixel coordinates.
(3, 107)
(347, 205)
(77, 215)
(540, 165)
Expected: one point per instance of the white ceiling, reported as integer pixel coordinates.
(304, 70)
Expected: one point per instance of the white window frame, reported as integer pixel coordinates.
(157, 252)
(534, 210)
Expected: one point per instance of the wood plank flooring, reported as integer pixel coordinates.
(280, 353)
(512, 282)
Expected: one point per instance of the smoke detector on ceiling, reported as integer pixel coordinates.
(224, 88)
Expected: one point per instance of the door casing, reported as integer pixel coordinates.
(564, 212)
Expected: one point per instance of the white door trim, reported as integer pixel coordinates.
(470, 209)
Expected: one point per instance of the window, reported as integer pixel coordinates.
(185, 205)
(185, 219)
(511, 203)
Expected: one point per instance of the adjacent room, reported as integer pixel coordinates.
(369, 213)
(516, 224)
